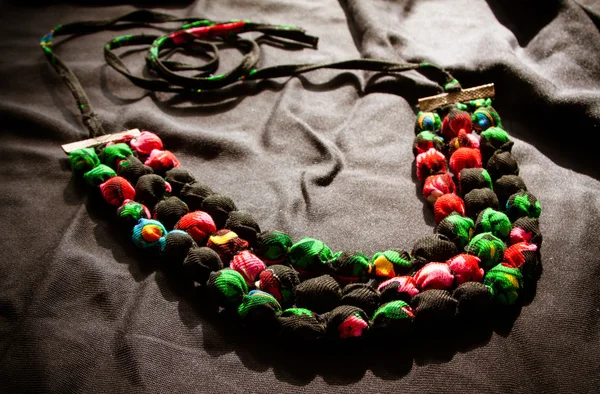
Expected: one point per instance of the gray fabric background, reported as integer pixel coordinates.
(326, 155)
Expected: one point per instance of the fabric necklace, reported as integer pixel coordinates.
(485, 251)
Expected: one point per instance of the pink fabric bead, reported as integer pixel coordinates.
(434, 276)
(248, 265)
(161, 160)
(466, 268)
(145, 143)
(406, 284)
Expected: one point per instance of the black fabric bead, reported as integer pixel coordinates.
(280, 281)
(489, 147)
(150, 189)
(516, 211)
(262, 319)
(384, 328)
(169, 211)
(434, 309)
(178, 177)
(435, 247)
(473, 178)
(244, 225)
(300, 327)
(194, 193)
(200, 262)
(177, 246)
(132, 169)
(506, 186)
(474, 300)
(479, 199)
(362, 296)
(218, 207)
(502, 163)
(320, 294)
(390, 293)
(337, 316)
(532, 227)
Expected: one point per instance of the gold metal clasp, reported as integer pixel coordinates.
(101, 139)
(439, 100)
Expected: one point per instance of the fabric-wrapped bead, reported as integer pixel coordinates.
(485, 117)
(132, 169)
(429, 121)
(83, 160)
(495, 222)
(346, 322)
(436, 186)
(227, 244)
(430, 163)
(399, 288)
(434, 247)
(488, 248)
(493, 139)
(247, 264)
(462, 140)
(272, 246)
(98, 175)
(198, 224)
(131, 212)
(391, 263)
(169, 211)
(194, 193)
(524, 256)
(279, 281)
(434, 309)
(176, 248)
(320, 294)
(244, 225)
(150, 189)
(393, 319)
(523, 204)
(310, 256)
(116, 191)
(446, 205)
(145, 143)
(299, 324)
(426, 140)
(361, 295)
(455, 121)
(479, 199)
(434, 276)
(464, 158)
(113, 154)
(457, 228)
(526, 229)
(506, 186)
(148, 234)
(178, 177)
(474, 300)
(505, 283)
(502, 163)
(227, 287)
(349, 267)
(161, 161)
(473, 178)
(259, 311)
(218, 207)
(466, 269)
(200, 262)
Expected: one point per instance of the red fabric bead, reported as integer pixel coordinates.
(406, 284)
(465, 158)
(434, 276)
(513, 256)
(248, 265)
(199, 225)
(145, 143)
(454, 122)
(466, 269)
(447, 204)
(437, 185)
(430, 163)
(161, 160)
(117, 190)
(463, 140)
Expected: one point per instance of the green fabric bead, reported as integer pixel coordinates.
(272, 245)
(131, 212)
(458, 229)
(395, 310)
(495, 135)
(495, 222)
(523, 204)
(228, 286)
(98, 175)
(488, 247)
(505, 283)
(391, 263)
(113, 153)
(83, 160)
(351, 265)
(298, 312)
(257, 300)
(309, 255)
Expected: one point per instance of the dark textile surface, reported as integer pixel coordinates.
(326, 155)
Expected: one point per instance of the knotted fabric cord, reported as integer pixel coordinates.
(195, 33)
